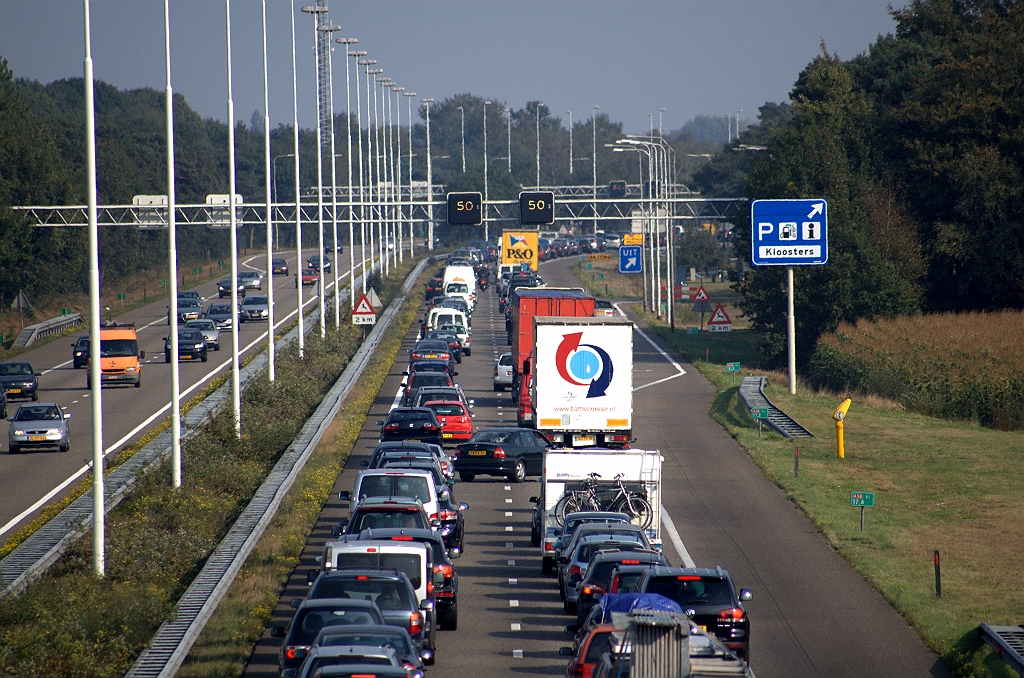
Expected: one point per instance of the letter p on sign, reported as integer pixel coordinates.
(764, 228)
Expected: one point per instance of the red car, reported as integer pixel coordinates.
(456, 421)
(588, 654)
(309, 277)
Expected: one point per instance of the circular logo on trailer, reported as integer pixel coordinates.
(584, 364)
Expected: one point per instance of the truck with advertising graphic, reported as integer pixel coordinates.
(581, 380)
(529, 302)
(520, 247)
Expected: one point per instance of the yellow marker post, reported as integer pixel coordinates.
(839, 415)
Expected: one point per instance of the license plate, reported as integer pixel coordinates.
(478, 453)
(430, 355)
(446, 435)
(185, 357)
(584, 440)
(37, 438)
(703, 628)
(14, 390)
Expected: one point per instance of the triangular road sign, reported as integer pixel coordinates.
(702, 295)
(719, 317)
(363, 307)
(371, 295)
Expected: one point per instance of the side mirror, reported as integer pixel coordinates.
(337, 531)
(562, 652)
(300, 653)
(438, 578)
(311, 576)
(572, 628)
(526, 367)
(163, 339)
(745, 594)
(295, 602)
(67, 415)
(345, 495)
(405, 374)
(455, 374)
(472, 416)
(381, 423)
(343, 523)
(534, 500)
(142, 355)
(454, 552)
(445, 495)
(277, 632)
(428, 605)
(463, 506)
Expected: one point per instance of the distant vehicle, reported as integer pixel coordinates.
(224, 288)
(314, 615)
(456, 421)
(314, 263)
(80, 352)
(220, 314)
(191, 346)
(119, 356)
(39, 425)
(209, 330)
(309, 278)
(253, 280)
(254, 308)
(411, 423)
(191, 294)
(510, 452)
(603, 308)
(279, 267)
(503, 372)
(188, 309)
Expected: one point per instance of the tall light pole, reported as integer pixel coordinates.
(539, 104)
(398, 171)
(362, 196)
(486, 195)
(385, 158)
(462, 119)
(321, 284)
(351, 206)
(430, 183)
(298, 196)
(172, 257)
(369, 157)
(650, 119)
(393, 184)
(270, 206)
(508, 112)
(570, 141)
(728, 126)
(95, 374)
(593, 157)
(329, 30)
(236, 397)
(660, 132)
(738, 124)
(373, 160)
(381, 185)
(412, 228)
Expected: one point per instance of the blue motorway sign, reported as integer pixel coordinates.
(789, 232)
(631, 259)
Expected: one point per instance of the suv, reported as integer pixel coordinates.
(603, 567)
(314, 615)
(503, 372)
(708, 598)
(389, 483)
(391, 590)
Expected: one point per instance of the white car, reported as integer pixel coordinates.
(503, 372)
(463, 334)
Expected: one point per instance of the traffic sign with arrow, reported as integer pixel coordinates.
(630, 259)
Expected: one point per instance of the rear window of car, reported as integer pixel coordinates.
(598, 646)
(429, 379)
(363, 520)
(409, 415)
(587, 551)
(408, 563)
(499, 437)
(415, 487)
(397, 640)
(365, 589)
(505, 359)
(703, 591)
(429, 367)
(457, 288)
(447, 409)
(308, 622)
(628, 581)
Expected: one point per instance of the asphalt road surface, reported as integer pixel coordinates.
(29, 480)
(811, 615)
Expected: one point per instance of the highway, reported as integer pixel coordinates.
(30, 480)
(812, 614)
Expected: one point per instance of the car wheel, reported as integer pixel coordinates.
(138, 382)
(35, 397)
(469, 351)
(167, 357)
(216, 347)
(204, 358)
(88, 384)
(498, 389)
(14, 449)
(518, 474)
(458, 359)
(547, 566)
(449, 620)
(65, 447)
(569, 608)
(466, 477)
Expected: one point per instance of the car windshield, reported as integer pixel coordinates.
(118, 348)
(692, 590)
(225, 282)
(367, 589)
(319, 663)
(408, 415)
(188, 302)
(457, 288)
(248, 275)
(499, 437)
(447, 409)
(430, 379)
(588, 550)
(309, 621)
(193, 336)
(415, 487)
(20, 369)
(505, 359)
(201, 324)
(83, 342)
(255, 301)
(220, 310)
(400, 518)
(37, 413)
(367, 638)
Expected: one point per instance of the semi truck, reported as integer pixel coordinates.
(544, 301)
(568, 470)
(579, 388)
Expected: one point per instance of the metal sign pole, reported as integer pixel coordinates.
(791, 332)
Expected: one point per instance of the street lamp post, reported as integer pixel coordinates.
(486, 195)
(539, 104)
(362, 196)
(348, 136)
(370, 174)
(321, 283)
(660, 132)
(508, 113)
(412, 228)
(738, 124)
(462, 118)
(593, 156)
(270, 206)
(330, 29)
(430, 183)
(236, 400)
(298, 196)
(570, 141)
(380, 168)
(398, 172)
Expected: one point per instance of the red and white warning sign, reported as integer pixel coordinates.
(363, 314)
(720, 321)
(701, 295)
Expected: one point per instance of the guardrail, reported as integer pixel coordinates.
(752, 395)
(1007, 641)
(47, 328)
(172, 642)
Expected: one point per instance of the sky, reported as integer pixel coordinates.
(630, 57)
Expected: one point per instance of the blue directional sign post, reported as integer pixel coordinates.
(789, 233)
(631, 259)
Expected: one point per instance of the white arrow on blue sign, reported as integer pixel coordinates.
(631, 259)
(789, 232)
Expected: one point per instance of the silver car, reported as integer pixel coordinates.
(503, 372)
(39, 425)
(253, 280)
(220, 314)
(256, 307)
(211, 334)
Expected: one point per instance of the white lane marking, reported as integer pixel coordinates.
(670, 527)
(397, 400)
(511, 562)
(517, 654)
(56, 367)
(513, 582)
(508, 544)
(49, 495)
(508, 514)
(258, 256)
(508, 528)
(680, 371)
(507, 501)
(508, 488)
(513, 603)
(73, 402)
(516, 626)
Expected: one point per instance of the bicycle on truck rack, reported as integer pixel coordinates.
(584, 499)
(633, 505)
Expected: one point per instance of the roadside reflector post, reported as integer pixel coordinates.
(796, 462)
(938, 577)
(839, 415)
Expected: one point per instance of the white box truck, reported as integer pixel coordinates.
(582, 392)
(565, 470)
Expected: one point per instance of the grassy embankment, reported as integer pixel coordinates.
(236, 626)
(940, 485)
(71, 623)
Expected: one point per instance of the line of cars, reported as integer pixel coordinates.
(35, 425)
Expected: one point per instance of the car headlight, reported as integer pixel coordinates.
(18, 433)
(133, 368)
(53, 431)
(78, 354)
(199, 345)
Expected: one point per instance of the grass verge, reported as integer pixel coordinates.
(228, 639)
(72, 623)
(939, 486)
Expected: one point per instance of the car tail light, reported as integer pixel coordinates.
(574, 569)
(499, 453)
(391, 427)
(430, 427)
(444, 356)
(401, 539)
(372, 549)
(447, 569)
(592, 589)
(415, 623)
(548, 546)
(289, 651)
(630, 562)
(617, 438)
(430, 588)
(446, 514)
(362, 577)
(688, 577)
(495, 371)
(734, 614)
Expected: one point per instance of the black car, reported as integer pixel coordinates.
(314, 615)
(314, 263)
(80, 352)
(191, 346)
(224, 288)
(410, 447)
(418, 380)
(220, 314)
(412, 423)
(452, 339)
(440, 366)
(708, 598)
(511, 452)
(3, 403)
(599, 576)
(19, 380)
(447, 593)
(366, 635)
(432, 349)
(435, 288)
(372, 585)
(279, 267)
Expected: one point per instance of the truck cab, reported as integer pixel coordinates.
(119, 356)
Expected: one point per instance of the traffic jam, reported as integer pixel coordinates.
(386, 583)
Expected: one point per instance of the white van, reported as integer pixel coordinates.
(461, 274)
(413, 484)
(446, 316)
